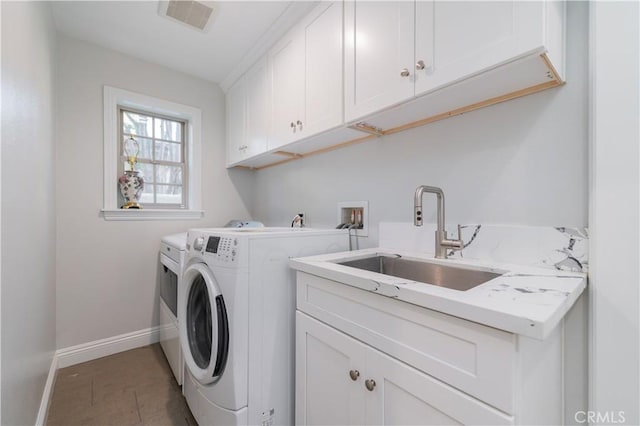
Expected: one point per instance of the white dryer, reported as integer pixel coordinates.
(236, 317)
(172, 255)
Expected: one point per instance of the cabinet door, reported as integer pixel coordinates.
(472, 36)
(286, 66)
(323, 97)
(325, 391)
(235, 123)
(425, 33)
(379, 55)
(403, 395)
(258, 118)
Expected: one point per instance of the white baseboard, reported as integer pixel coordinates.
(89, 351)
(104, 347)
(47, 393)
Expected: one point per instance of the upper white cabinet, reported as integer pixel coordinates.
(286, 67)
(397, 50)
(258, 117)
(248, 118)
(306, 77)
(457, 39)
(379, 55)
(323, 48)
(235, 123)
(382, 67)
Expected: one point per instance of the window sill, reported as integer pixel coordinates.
(151, 214)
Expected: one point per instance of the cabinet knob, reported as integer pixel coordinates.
(405, 73)
(420, 65)
(370, 384)
(299, 123)
(293, 127)
(354, 374)
(242, 147)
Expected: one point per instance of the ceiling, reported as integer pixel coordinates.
(135, 28)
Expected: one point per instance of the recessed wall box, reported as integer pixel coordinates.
(355, 213)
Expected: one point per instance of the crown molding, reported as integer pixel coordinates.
(291, 16)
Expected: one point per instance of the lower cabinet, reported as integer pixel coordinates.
(341, 381)
(365, 358)
(325, 392)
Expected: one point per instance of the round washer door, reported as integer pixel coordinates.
(204, 326)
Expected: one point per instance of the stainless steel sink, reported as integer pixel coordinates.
(430, 273)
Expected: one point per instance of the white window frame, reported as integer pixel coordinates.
(113, 98)
(154, 162)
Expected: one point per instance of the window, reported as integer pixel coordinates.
(161, 158)
(169, 135)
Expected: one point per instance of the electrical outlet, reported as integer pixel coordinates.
(355, 213)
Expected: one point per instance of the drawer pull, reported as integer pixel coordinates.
(370, 384)
(354, 374)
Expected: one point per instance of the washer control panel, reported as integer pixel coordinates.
(224, 249)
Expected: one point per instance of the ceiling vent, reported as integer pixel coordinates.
(196, 14)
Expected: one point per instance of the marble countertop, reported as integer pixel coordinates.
(525, 300)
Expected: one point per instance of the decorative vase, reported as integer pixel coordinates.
(131, 184)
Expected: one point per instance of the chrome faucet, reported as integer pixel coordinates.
(442, 243)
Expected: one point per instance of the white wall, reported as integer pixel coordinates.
(28, 207)
(106, 270)
(520, 162)
(615, 194)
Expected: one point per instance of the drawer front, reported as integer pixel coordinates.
(170, 251)
(476, 359)
(405, 396)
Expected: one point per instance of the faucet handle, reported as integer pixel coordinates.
(460, 238)
(456, 244)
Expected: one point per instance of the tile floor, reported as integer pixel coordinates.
(130, 388)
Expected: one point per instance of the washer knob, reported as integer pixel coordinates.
(198, 243)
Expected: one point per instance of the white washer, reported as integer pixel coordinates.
(172, 255)
(236, 316)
